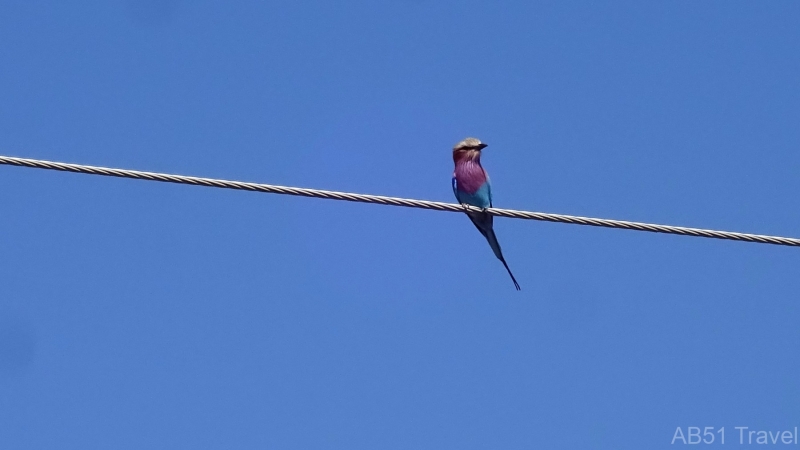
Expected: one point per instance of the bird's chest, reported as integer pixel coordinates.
(470, 178)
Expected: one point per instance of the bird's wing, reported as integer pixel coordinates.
(488, 187)
(455, 187)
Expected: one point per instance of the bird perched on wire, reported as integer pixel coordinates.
(472, 187)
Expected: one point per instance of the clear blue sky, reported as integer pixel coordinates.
(145, 315)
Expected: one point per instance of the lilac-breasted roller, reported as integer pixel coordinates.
(472, 187)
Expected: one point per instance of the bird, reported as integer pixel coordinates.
(472, 187)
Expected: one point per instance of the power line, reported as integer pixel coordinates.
(395, 201)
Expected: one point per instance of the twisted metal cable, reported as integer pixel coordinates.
(395, 201)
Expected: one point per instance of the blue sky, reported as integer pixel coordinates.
(144, 315)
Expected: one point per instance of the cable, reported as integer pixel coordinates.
(394, 201)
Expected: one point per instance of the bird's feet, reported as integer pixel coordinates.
(467, 207)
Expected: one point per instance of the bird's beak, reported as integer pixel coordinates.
(482, 146)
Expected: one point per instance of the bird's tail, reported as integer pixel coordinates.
(516, 285)
(485, 224)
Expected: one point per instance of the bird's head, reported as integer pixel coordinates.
(468, 149)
